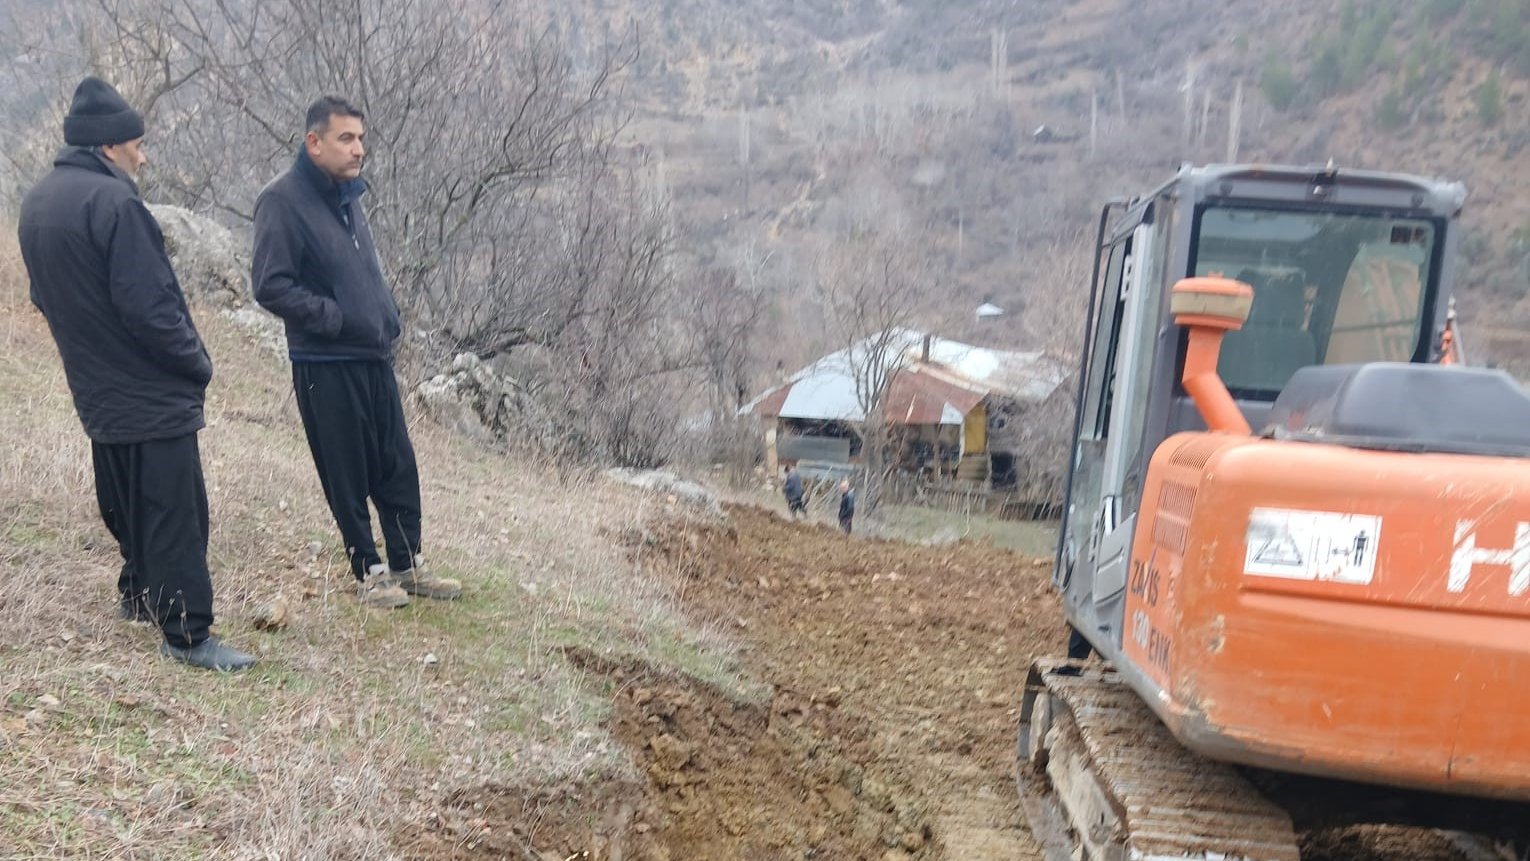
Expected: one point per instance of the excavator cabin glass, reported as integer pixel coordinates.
(1329, 288)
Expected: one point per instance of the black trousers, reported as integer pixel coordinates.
(355, 425)
(154, 501)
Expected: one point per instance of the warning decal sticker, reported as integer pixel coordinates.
(1312, 545)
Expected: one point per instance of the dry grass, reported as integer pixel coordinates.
(344, 735)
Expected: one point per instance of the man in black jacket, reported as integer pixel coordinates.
(315, 266)
(792, 488)
(135, 366)
(846, 506)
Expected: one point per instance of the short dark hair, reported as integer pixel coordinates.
(330, 106)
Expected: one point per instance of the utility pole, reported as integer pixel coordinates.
(743, 151)
(1094, 120)
(1189, 123)
(1235, 124)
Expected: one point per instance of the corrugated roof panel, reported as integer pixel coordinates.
(956, 378)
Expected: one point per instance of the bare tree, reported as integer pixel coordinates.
(723, 313)
(507, 216)
(872, 287)
(485, 136)
(1055, 311)
(626, 363)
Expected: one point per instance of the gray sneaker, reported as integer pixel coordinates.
(381, 590)
(419, 581)
(210, 654)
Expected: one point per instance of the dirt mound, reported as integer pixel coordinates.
(782, 779)
(720, 779)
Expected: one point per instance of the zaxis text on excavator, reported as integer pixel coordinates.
(1299, 540)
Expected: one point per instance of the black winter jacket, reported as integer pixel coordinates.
(316, 267)
(793, 487)
(96, 259)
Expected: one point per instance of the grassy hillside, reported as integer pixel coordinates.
(357, 726)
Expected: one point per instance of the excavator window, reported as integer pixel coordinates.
(1329, 288)
(1107, 335)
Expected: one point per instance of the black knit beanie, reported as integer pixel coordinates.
(99, 116)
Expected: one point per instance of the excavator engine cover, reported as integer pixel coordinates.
(1406, 407)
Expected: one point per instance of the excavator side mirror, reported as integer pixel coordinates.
(1220, 303)
(1210, 307)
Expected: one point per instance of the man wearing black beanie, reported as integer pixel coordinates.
(135, 365)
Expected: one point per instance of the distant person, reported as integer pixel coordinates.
(792, 488)
(846, 506)
(315, 266)
(136, 368)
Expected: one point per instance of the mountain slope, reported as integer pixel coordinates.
(780, 128)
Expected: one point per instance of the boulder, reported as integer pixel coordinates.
(470, 397)
(668, 484)
(211, 264)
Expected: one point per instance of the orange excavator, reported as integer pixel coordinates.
(1296, 532)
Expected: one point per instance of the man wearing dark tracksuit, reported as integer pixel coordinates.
(793, 490)
(316, 267)
(135, 365)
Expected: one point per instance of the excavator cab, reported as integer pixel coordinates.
(1299, 540)
(1346, 267)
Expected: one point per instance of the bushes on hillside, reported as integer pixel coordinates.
(1489, 99)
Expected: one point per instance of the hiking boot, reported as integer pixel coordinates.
(210, 654)
(419, 581)
(380, 590)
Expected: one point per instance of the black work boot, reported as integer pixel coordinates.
(131, 608)
(210, 654)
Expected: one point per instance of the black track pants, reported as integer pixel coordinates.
(154, 501)
(355, 425)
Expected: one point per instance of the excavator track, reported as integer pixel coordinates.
(1102, 779)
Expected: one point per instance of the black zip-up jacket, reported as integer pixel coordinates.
(99, 273)
(315, 266)
(793, 487)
